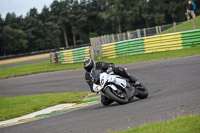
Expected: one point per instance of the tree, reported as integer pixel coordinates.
(115, 12)
(72, 22)
(62, 22)
(2, 24)
(60, 12)
(14, 40)
(11, 19)
(77, 19)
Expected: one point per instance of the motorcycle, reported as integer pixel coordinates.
(115, 87)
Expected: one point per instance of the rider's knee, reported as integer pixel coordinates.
(120, 71)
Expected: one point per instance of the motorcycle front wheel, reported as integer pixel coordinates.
(117, 96)
(106, 101)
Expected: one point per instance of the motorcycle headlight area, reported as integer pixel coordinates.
(102, 81)
(97, 88)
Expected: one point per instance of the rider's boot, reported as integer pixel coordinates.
(134, 81)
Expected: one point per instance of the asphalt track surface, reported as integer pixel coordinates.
(23, 63)
(174, 88)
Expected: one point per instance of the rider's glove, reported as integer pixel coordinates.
(110, 69)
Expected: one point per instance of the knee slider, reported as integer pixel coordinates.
(120, 71)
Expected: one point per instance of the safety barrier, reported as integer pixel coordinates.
(109, 50)
(129, 47)
(137, 46)
(151, 44)
(74, 55)
(163, 43)
(190, 38)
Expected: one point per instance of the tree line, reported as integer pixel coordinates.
(71, 22)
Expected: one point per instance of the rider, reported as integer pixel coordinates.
(90, 64)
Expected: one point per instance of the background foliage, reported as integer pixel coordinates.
(70, 23)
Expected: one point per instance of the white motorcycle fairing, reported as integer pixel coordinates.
(104, 77)
(113, 79)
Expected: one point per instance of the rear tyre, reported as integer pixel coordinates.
(117, 96)
(142, 92)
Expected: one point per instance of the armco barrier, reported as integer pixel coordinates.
(163, 42)
(74, 55)
(137, 46)
(109, 50)
(130, 47)
(151, 44)
(190, 38)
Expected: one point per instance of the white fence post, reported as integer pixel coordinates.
(138, 33)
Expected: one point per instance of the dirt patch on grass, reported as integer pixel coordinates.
(24, 59)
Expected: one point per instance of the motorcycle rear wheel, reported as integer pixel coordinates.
(121, 99)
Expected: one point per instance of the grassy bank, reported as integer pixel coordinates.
(12, 107)
(47, 67)
(189, 124)
(187, 25)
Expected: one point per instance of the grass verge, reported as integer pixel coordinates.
(23, 61)
(26, 58)
(47, 67)
(188, 124)
(12, 107)
(185, 26)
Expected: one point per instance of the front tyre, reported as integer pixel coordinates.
(106, 101)
(142, 92)
(117, 96)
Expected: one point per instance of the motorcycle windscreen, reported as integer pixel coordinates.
(95, 75)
